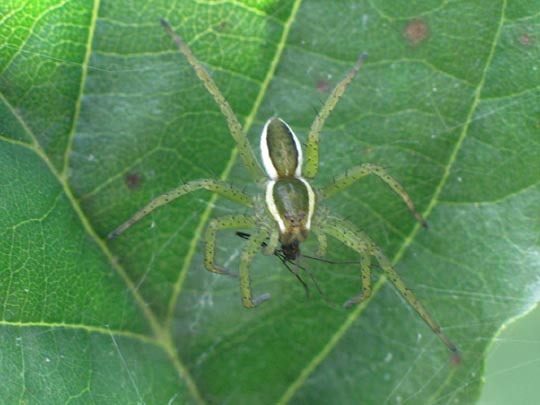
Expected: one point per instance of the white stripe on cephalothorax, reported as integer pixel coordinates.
(271, 205)
(265, 153)
(311, 197)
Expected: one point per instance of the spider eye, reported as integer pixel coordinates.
(296, 219)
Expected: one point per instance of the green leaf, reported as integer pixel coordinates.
(99, 113)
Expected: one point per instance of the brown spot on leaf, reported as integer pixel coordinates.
(222, 26)
(455, 359)
(323, 85)
(133, 180)
(416, 31)
(525, 39)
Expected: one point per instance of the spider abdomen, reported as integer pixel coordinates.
(280, 150)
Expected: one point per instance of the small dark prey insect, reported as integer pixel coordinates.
(289, 208)
(291, 257)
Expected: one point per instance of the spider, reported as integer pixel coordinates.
(289, 209)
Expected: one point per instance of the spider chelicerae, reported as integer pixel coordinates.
(289, 208)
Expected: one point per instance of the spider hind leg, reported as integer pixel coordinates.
(348, 234)
(365, 266)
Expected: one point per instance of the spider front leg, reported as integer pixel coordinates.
(248, 254)
(358, 172)
(253, 246)
(217, 186)
(245, 151)
(347, 233)
(220, 224)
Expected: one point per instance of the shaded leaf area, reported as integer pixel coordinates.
(80, 366)
(99, 113)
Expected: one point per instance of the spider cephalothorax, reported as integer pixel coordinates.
(291, 208)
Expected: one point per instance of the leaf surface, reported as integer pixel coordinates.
(99, 113)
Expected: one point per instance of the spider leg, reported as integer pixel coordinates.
(347, 233)
(271, 246)
(415, 303)
(217, 186)
(365, 266)
(232, 121)
(252, 247)
(312, 146)
(358, 172)
(323, 242)
(220, 224)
